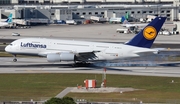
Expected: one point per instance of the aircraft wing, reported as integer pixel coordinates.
(81, 55)
(85, 55)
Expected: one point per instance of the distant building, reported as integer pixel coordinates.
(8, 2)
(68, 12)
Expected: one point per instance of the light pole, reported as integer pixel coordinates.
(157, 10)
(176, 10)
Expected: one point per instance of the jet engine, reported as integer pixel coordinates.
(57, 57)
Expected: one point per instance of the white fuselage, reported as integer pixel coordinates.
(134, 25)
(103, 51)
(3, 24)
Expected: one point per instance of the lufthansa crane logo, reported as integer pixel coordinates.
(149, 32)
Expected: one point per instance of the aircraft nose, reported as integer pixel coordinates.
(7, 48)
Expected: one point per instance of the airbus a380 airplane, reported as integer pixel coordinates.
(80, 51)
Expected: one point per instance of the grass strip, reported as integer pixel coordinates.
(39, 86)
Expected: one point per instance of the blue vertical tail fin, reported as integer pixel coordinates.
(146, 37)
(124, 20)
(9, 19)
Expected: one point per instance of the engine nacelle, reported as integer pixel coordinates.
(57, 57)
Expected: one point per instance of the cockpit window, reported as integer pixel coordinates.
(10, 44)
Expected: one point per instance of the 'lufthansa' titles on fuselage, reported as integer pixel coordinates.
(32, 45)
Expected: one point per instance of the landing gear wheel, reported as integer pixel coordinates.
(74, 65)
(15, 60)
(81, 64)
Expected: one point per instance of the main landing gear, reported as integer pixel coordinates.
(14, 60)
(81, 64)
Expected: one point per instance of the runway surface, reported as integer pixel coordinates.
(40, 65)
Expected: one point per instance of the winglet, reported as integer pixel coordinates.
(146, 37)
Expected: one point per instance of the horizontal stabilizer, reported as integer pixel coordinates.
(148, 51)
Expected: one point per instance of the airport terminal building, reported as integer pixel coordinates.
(54, 10)
(80, 1)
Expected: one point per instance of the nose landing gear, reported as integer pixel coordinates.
(14, 60)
